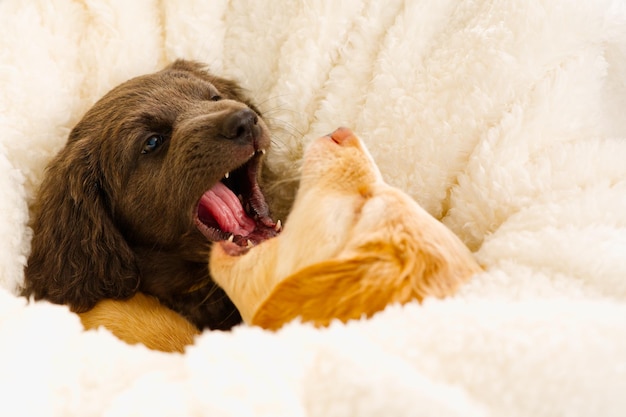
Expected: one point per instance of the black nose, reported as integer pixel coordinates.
(241, 125)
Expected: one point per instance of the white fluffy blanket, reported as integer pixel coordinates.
(502, 118)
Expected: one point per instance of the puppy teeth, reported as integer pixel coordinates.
(250, 244)
(278, 226)
(231, 238)
(227, 175)
(263, 151)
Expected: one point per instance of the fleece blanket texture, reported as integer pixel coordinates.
(503, 119)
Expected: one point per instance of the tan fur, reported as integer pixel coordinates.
(142, 319)
(351, 246)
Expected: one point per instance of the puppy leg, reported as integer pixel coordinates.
(142, 319)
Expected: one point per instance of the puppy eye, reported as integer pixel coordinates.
(152, 143)
(216, 97)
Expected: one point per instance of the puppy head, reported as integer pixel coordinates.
(163, 140)
(351, 245)
(146, 168)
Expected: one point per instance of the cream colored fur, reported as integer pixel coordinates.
(503, 119)
(351, 246)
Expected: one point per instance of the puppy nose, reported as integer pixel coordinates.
(344, 136)
(240, 125)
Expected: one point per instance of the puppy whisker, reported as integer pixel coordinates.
(234, 311)
(274, 98)
(284, 128)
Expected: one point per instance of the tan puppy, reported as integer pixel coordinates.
(351, 246)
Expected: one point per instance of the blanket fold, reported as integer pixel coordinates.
(502, 119)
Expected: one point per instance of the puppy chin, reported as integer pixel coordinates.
(245, 275)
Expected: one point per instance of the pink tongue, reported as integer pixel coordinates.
(226, 208)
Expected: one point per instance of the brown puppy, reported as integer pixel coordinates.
(352, 245)
(147, 180)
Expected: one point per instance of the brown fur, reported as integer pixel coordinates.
(113, 218)
(351, 246)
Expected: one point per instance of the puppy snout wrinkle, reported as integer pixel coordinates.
(241, 125)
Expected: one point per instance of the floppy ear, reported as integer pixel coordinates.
(77, 254)
(335, 289)
(380, 275)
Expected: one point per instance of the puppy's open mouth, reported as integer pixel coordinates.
(234, 209)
